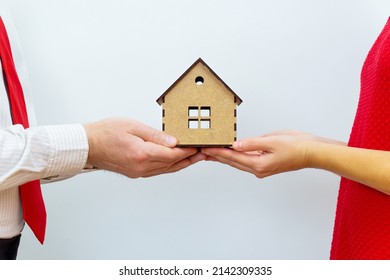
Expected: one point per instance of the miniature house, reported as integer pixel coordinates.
(199, 109)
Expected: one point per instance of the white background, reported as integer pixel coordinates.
(295, 64)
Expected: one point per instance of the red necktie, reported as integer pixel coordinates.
(30, 193)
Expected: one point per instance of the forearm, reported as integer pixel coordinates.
(41, 152)
(369, 167)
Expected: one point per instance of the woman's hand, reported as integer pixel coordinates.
(268, 154)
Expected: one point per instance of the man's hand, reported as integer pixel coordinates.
(135, 150)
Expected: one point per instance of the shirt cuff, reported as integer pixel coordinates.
(68, 150)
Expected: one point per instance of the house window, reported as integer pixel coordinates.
(193, 111)
(199, 80)
(199, 117)
(205, 111)
(205, 124)
(193, 124)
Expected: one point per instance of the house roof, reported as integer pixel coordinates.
(199, 60)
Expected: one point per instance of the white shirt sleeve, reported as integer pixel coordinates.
(48, 153)
(45, 152)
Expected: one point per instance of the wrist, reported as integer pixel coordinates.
(90, 164)
(313, 154)
(325, 155)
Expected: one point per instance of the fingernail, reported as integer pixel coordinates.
(170, 141)
(237, 145)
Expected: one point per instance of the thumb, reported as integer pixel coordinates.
(252, 144)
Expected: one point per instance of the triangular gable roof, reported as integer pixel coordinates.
(199, 60)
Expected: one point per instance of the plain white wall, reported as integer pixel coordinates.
(296, 65)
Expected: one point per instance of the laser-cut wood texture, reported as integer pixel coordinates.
(200, 108)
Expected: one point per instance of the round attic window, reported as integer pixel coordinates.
(199, 80)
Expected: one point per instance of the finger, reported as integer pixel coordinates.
(150, 134)
(210, 158)
(232, 157)
(253, 144)
(184, 163)
(197, 158)
(234, 164)
(165, 154)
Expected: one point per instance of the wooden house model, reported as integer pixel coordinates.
(199, 109)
